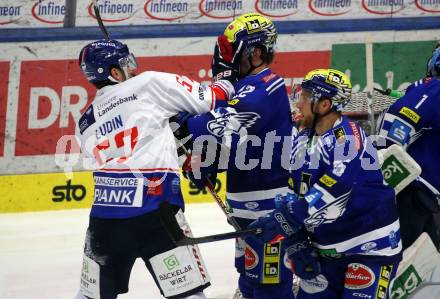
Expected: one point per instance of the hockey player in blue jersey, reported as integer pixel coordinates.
(339, 217)
(252, 127)
(413, 122)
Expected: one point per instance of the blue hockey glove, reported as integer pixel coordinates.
(303, 257)
(278, 224)
(226, 60)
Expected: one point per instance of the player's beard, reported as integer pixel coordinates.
(307, 121)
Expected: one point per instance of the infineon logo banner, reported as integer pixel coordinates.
(10, 12)
(113, 10)
(221, 9)
(49, 11)
(330, 8)
(166, 10)
(389, 71)
(428, 6)
(382, 7)
(277, 9)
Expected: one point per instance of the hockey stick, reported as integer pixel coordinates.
(219, 237)
(370, 82)
(390, 92)
(99, 19)
(218, 200)
(171, 224)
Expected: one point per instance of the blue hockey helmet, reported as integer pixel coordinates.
(434, 63)
(96, 60)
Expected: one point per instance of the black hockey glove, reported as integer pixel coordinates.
(226, 60)
(181, 133)
(201, 175)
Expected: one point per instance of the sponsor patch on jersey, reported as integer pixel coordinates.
(327, 180)
(356, 134)
(118, 192)
(154, 186)
(313, 197)
(290, 183)
(411, 114)
(250, 258)
(203, 90)
(384, 281)
(253, 26)
(271, 273)
(399, 131)
(87, 119)
(393, 240)
(358, 276)
(338, 168)
(271, 263)
(306, 179)
(233, 102)
(272, 249)
(175, 186)
(362, 295)
(339, 135)
(314, 285)
(268, 77)
(252, 205)
(368, 246)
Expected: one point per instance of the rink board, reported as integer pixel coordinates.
(58, 191)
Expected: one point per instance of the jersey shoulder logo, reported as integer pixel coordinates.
(232, 123)
(328, 214)
(87, 119)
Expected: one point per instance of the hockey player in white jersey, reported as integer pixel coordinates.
(126, 136)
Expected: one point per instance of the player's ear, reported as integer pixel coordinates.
(325, 105)
(117, 74)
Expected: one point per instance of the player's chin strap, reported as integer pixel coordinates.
(253, 67)
(316, 116)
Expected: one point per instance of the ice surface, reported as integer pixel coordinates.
(41, 254)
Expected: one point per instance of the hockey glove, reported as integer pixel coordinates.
(226, 60)
(201, 176)
(278, 224)
(303, 257)
(181, 133)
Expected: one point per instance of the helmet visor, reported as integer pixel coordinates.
(128, 62)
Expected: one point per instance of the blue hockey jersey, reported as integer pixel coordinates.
(254, 125)
(413, 121)
(339, 193)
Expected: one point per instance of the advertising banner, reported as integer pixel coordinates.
(141, 12)
(4, 75)
(50, 13)
(56, 191)
(396, 64)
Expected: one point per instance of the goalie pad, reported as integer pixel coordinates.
(181, 269)
(420, 265)
(398, 167)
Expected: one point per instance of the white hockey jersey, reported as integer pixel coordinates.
(126, 137)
